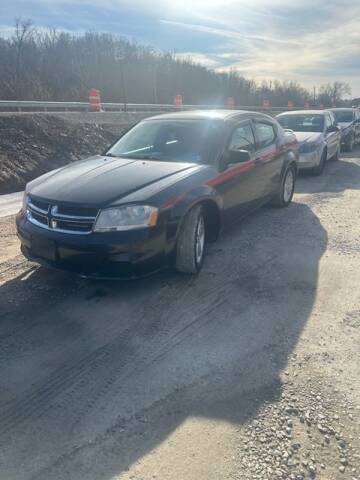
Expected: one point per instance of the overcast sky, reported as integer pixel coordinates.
(312, 41)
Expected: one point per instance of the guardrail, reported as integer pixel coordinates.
(44, 106)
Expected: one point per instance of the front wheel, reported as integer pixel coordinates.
(320, 168)
(190, 247)
(285, 194)
(335, 157)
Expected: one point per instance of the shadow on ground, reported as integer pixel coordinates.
(95, 375)
(337, 177)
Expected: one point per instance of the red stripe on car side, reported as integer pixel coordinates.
(224, 177)
(173, 201)
(268, 157)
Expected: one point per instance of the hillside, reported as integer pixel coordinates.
(31, 145)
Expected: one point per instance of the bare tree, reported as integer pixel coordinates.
(333, 93)
(22, 37)
(54, 65)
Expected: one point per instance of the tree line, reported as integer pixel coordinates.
(54, 65)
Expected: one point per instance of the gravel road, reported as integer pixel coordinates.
(249, 371)
(10, 203)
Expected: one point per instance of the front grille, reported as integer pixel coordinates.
(39, 218)
(40, 205)
(60, 218)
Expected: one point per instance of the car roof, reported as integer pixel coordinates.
(219, 114)
(343, 109)
(308, 112)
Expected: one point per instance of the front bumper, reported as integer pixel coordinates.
(98, 255)
(309, 160)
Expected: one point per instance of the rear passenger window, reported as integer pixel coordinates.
(243, 139)
(265, 134)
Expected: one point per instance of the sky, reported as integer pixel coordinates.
(310, 41)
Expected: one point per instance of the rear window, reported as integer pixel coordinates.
(343, 116)
(265, 134)
(302, 122)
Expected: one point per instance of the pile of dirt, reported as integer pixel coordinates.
(31, 145)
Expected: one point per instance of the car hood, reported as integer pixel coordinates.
(344, 125)
(307, 136)
(103, 180)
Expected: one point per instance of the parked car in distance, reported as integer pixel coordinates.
(318, 136)
(348, 119)
(163, 190)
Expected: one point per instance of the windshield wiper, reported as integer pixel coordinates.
(116, 156)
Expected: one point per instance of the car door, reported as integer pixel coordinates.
(269, 156)
(332, 137)
(238, 184)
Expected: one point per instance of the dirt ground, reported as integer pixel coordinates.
(31, 145)
(249, 371)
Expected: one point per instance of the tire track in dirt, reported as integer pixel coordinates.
(161, 337)
(72, 376)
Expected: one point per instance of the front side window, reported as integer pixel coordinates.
(242, 138)
(195, 141)
(265, 134)
(302, 122)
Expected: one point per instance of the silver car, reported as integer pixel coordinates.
(318, 136)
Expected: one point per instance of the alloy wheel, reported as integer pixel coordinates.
(288, 185)
(200, 240)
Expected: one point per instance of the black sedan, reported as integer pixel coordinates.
(348, 119)
(163, 190)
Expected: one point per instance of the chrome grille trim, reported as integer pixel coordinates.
(31, 206)
(58, 230)
(52, 214)
(69, 218)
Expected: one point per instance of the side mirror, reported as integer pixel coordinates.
(238, 156)
(333, 128)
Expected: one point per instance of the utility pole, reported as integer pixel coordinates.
(314, 95)
(155, 83)
(120, 57)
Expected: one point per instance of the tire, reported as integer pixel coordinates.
(320, 168)
(335, 157)
(285, 194)
(190, 248)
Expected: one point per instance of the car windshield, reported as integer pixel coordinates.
(302, 123)
(343, 116)
(195, 141)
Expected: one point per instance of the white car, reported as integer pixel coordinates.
(318, 135)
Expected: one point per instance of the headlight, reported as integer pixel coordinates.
(126, 218)
(307, 147)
